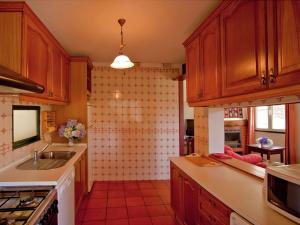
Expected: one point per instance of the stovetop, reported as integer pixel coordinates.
(16, 206)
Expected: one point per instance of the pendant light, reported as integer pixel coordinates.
(121, 61)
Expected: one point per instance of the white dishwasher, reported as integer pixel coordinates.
(66, 199)
(236, 219)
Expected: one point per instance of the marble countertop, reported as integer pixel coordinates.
(11, 176)
(240, 191)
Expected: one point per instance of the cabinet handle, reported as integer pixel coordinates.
(263, 79)
(272, 76)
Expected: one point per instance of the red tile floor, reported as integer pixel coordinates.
(127, 203)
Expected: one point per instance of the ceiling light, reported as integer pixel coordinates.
(121, 61)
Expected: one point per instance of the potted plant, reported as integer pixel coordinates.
(72, 130)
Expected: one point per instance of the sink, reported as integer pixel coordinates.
(47, 161)
(57, 155)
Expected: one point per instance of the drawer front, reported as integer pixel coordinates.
(212, 207)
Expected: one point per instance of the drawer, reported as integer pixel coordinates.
(210, 205)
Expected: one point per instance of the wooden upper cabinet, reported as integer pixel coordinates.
(193, 78)
(243, 47)
(56, 75)
(65, 79)
(37, 55)
(284, 36)
(209, 64)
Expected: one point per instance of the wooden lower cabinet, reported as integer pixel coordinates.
(193, 205)
(80, 180)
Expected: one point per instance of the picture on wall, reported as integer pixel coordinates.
(233, 112)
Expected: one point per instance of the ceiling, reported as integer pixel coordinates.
(154, 31)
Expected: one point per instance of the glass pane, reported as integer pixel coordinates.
(261, 117)
(25, 124)
(278, 119)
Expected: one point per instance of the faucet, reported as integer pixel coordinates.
(35, 156)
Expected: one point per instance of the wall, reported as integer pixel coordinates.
(134, 124)
(7, 155)
(188, 111)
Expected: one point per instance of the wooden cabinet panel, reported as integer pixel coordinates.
(56, 81)
(37, 55)
(190, 202)
(209, 55)
(65, 79)
(243, 47)
(286, 43)
(10, 40)
(80, 179)
(176, 192)
(77, 166)
(194, 80)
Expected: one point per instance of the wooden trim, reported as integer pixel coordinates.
(83, 59)
(181, 117)
(248, 99)
(290, 135)
(251, 127)
(26, 98)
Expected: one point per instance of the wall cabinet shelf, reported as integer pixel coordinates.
(245, 50)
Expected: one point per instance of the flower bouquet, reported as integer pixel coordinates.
(264, 142)
(72, 130)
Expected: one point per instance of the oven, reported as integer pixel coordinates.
(28, 206)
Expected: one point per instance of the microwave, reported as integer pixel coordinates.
(283, 190)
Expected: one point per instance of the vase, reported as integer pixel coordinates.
(70, 142)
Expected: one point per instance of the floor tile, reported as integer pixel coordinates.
(116, 202)
(95, 214)
(98, 194)
(170, 210)
(117, 222)
(116, 186)
(140, 221)
(157, 210)
(95, 203)
(153, 201)
(163, 220)
(133, 193)
(116, 194)
(149, 192)
(145, 185)
(94, 223)
(131, 186)
(117, 213)
(137, 211)
(135, 201)
(100, 186)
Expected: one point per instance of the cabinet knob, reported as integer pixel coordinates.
(263, 79)
(272, 76)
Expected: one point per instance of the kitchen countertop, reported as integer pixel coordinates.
(11, 176)
(240, 191)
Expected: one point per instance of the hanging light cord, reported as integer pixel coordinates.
(121, 22)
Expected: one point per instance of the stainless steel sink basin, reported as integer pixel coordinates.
(47, 161)
(57, 155)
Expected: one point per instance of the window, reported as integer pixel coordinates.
(270, 118)
(26, 125)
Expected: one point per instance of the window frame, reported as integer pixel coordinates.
(270, 120)
(30, 140)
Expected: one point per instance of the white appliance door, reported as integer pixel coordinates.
(66, 200)
(236, 219)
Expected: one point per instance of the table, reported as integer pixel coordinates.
(268, 151)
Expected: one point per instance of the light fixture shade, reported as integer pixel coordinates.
(122, 62)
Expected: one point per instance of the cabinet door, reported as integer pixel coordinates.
(57, 66)
(210, 60)
(243, 47)
(37, 56)
(193, 78)
(286, 68)
(83, 175)
(176, 192)
(190, 202)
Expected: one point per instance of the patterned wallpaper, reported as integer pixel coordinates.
(133, 124)
(7, 155)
